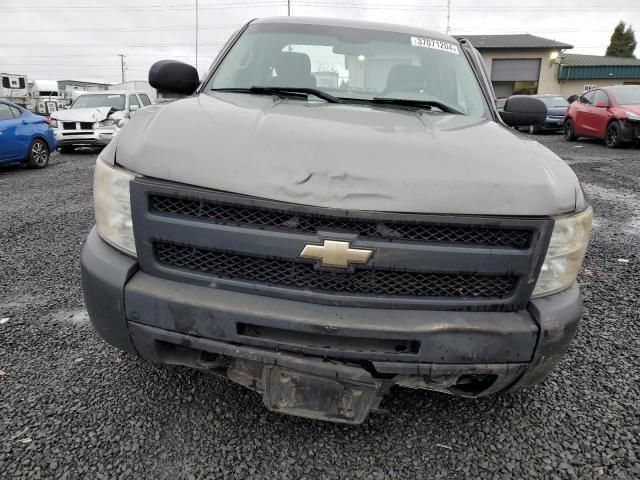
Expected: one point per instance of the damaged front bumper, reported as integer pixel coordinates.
(97, 137)
(325, 362)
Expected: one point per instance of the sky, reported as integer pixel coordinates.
(82, 39)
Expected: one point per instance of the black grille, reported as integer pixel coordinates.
(278, 272)
(69, 125)
(367, 228)
(86, 125)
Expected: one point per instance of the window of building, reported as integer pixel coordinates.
(515, 76)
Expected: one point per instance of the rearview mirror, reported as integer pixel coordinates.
(133, 108)
(522, 111)
(171, 76)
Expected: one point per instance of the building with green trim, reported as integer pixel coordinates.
(580, 73)
(528, 64)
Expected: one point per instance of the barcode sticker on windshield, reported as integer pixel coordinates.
(435, 44)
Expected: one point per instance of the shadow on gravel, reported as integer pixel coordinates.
(213, 403)
(12, 167)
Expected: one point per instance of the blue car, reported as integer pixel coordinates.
(24, 137)
(557, 107)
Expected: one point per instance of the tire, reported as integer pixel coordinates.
(613, 136)
(66, 148)
(569, 133)
(533, 130)
(38, 154)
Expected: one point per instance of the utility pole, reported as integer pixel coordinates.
(196, 34)
(288, 8)
(122, 65)
(448, 17)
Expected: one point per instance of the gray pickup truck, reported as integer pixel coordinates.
(337, 208)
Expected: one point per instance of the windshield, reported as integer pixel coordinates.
(627, 95)
(551, 102)
(351, 64)
(102, 100)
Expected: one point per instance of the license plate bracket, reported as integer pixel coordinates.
(321, 398)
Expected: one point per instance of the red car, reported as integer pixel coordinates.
(609, 113)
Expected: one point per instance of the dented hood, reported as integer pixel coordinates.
(347, 156)
(82, 114)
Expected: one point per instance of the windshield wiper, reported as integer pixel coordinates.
(296, 91)
(405, 102)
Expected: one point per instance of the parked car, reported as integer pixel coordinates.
(608, 113)
(322, 244)
(24, 137)
(94, 118)
(557, 107)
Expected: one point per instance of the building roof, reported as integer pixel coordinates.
(82, 82)
(512, 41)
(595, 67)
(110, 92)
(575, 60)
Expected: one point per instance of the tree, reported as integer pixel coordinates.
(623, 42)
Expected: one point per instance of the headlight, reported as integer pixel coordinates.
(109, 122)
(633, 117)
(565, 254)
(112, 205)
(53, 123)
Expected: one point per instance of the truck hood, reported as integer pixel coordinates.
(347, 156)
(82, 114)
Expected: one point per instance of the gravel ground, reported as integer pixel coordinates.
(73, 407)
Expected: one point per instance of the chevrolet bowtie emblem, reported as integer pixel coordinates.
(336, 254)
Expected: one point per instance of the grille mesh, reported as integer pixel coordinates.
(289, 273)
(367, 228)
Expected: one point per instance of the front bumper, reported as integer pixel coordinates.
(553, 123)
(246, 337)
(630, 131)
(98, 136)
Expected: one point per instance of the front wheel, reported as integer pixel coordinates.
(613, 137)
(38, 154)
(569, 133)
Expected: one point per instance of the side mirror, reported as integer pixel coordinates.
(170, 76)
(133, 108)
(523, 111)
(602, 104)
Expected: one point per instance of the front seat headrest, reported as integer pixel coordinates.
(402, 75)
(294, 70)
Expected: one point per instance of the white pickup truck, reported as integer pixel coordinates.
(94, 118)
